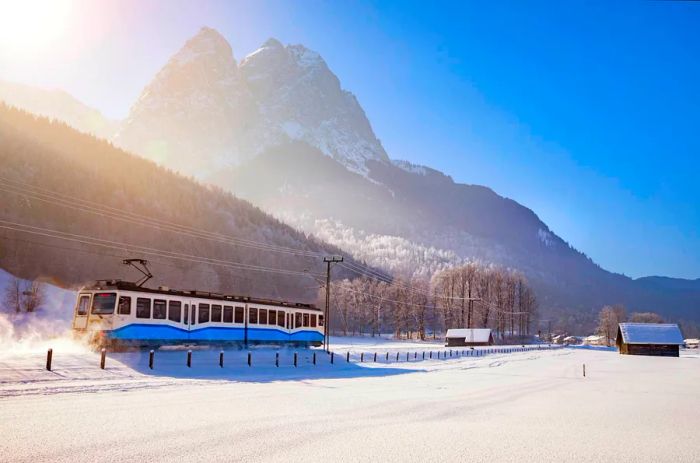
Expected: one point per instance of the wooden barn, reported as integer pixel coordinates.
(469, 337)
(662, 339)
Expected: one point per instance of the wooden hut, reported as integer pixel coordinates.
(662, 339)
(469, 337)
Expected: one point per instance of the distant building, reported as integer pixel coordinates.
(469, 337)
(692, 343)
(594, 340)
(662, 339)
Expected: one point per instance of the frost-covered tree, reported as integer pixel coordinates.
(608, 320)
(13, 295)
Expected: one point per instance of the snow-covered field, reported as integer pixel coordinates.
(524, 406)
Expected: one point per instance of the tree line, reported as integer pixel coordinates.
(468, 296)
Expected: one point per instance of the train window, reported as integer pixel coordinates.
(124, 305)
(298, 318)
(306, 319)
(143, 307)
(174, 311)
(193, 309)
(103, 303)
(186, 314)
(280, 318)
(203, 313)
(272, 317)
(313, 320)
(239, 315)
(263, 316)
(83, 304)
(159, 310)
(228, 314)
(252, 315)
(320, 320)
(216, 313)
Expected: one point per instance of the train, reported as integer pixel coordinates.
(121, 314)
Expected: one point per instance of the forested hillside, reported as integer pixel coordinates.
(74, 206)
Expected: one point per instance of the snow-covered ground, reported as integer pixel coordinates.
(523, 406)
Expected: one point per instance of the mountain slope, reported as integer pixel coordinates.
(41, 156)
(59, 105)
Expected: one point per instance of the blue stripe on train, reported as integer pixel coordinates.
(171, 333)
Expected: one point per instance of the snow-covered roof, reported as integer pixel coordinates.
(651, 333)
(470, 334)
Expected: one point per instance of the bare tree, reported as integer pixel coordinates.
(34, 295)
(13, 295)
(645, 317)
(608, 320)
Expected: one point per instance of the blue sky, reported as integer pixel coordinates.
(584, 112)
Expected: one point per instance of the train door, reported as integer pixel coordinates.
(82, 307)
(122, 315)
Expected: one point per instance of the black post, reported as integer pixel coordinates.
(375, 357)
(150, 359)
(49, 357)
(387, 356)
(327, 321)
(314, 358)
(221, 359)
(103, 358)
(332, 358)
(584, 370)
(189, 359)
(347, 357)
(397, 356)
(407, 356)
(250, 359)
(415, 355)
(295, 359)
(431, 354)
(423, 355)
(277, 359)
(362, 357)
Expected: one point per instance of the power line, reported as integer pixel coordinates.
(84, 239)
(55, 198)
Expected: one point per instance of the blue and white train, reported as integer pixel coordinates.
(114, 313)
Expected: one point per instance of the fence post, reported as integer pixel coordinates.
(151, 354)
(103, 355)
(250, 359)
(387, 356)
(362, 357)
(314, 358)
(221, 359)
(375, 357)
(295, 359)
(397, 356)
(49, 357)
(431, 354)
(332, 354)
(584, 370)
(423, 355)
(347, 357)
(407, 356)
(189, 359)
(277, 359)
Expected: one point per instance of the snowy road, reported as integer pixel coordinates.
(504, 407)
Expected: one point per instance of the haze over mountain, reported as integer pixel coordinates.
(278, 129)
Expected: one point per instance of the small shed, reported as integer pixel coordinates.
(469, 337)
(662, 339)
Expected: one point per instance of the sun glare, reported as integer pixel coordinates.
(32, 25)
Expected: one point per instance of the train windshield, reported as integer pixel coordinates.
(103, 303)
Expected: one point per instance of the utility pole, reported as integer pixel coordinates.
(327, 325)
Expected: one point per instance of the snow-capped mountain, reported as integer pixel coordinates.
(203, 111)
